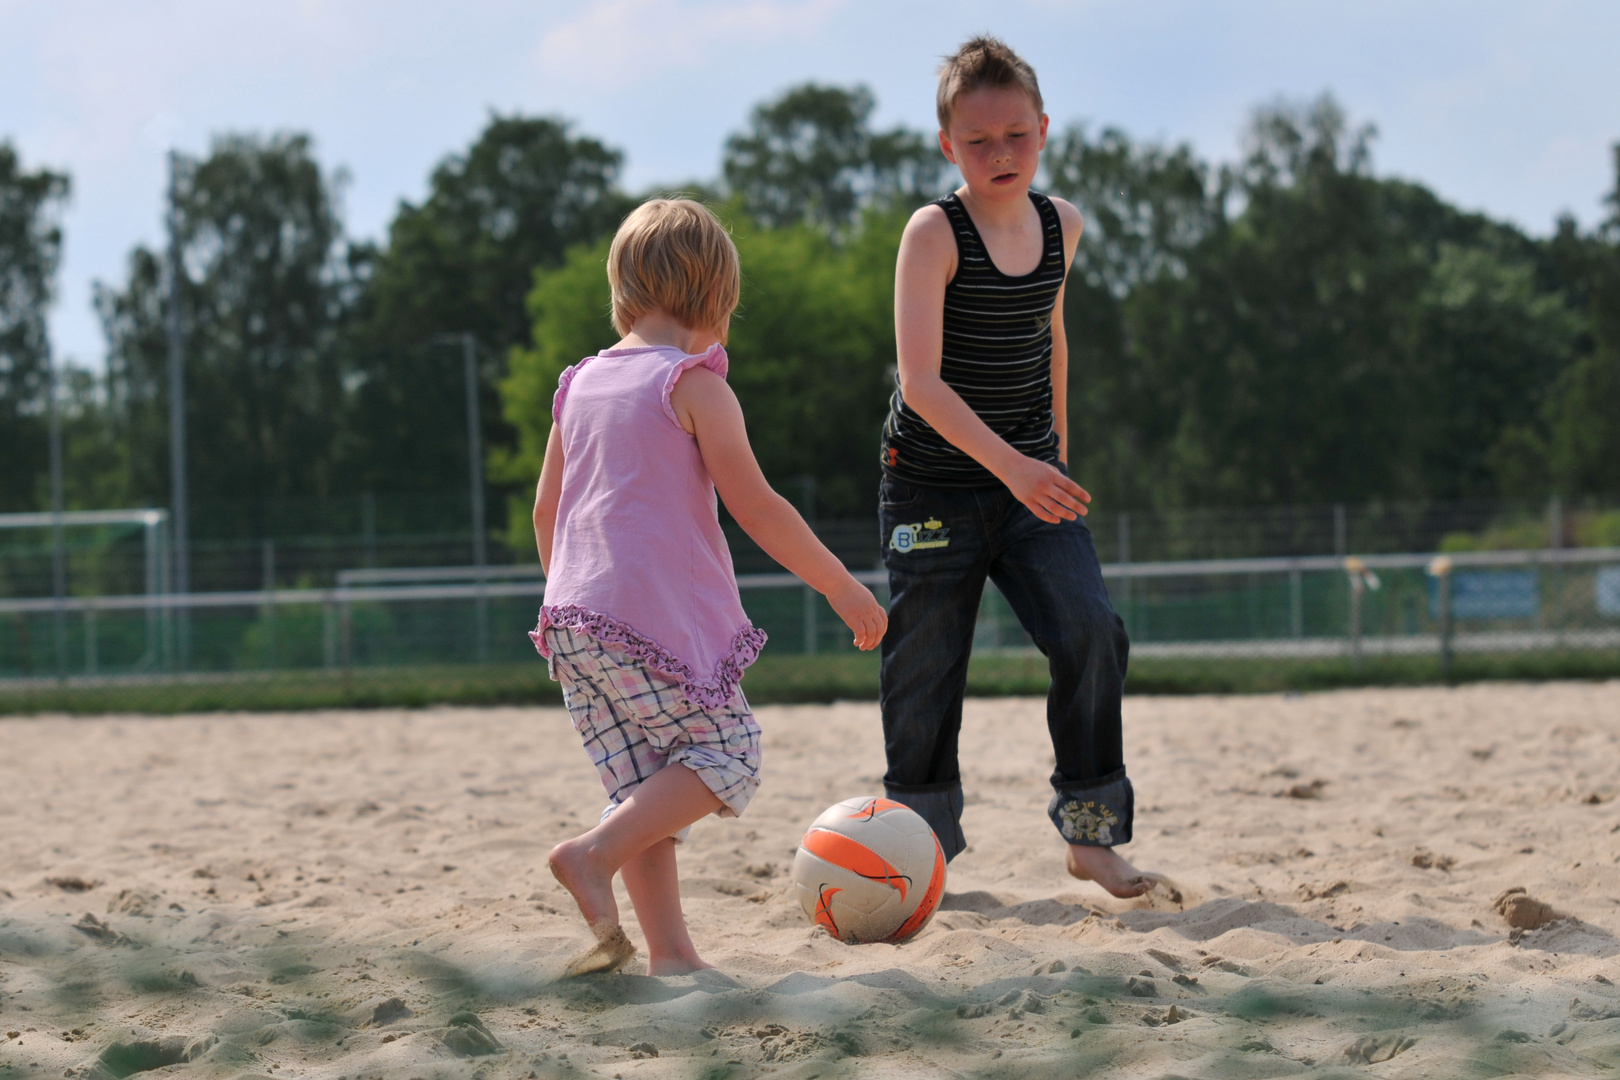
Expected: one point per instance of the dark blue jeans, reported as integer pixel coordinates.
(940, 545)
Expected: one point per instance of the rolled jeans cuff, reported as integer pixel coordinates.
(938, 804)
(1095, 813)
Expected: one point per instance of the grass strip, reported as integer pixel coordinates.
(773, 680)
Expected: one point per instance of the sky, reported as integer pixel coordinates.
(1504, 106)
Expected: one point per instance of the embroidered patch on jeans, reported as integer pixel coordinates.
(1087, 822)
(920, 536)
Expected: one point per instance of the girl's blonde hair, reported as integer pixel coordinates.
(674, 254)
(983, 61)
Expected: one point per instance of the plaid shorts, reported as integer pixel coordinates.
(636, 721)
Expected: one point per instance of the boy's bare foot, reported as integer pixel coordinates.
(611, 951)
(1109, 869)
(676, 965)
(591, 888)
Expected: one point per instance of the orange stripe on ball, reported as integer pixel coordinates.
(930, 900)
(857, 858)
(824, 914)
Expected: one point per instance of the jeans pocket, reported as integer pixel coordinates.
(897, 494)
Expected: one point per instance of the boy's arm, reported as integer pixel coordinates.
(709, 410)
(546, 496)
(1072, 224)
(926, 263)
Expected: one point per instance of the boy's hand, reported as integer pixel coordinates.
(1049, 494)
(861, 612)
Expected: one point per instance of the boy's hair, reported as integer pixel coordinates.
(980, 62)
(674, 254)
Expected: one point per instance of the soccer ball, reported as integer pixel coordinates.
(869, 870)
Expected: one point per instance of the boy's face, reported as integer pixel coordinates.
(995, 138)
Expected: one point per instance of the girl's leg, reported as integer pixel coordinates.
(666, 802)
(655, 890)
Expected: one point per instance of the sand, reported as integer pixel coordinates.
(348, 894)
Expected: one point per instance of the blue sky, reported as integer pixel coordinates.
(1507, 107)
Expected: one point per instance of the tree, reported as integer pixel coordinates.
(1146, 209)
(1293, 329)
(811, 347)
(265, 292)
(30, 248)
(515, 202)
(810, 157)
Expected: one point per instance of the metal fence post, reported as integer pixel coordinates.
(1356, 589)
(347, 620)
(268, 555)
(329, 631)
(1361, 580)
(89, 640)
(1440, 569)
(1296, 603)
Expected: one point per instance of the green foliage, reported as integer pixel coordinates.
(1525, 535)
(517, 200)
(264, 296)
(810, 157)
(30, 247)
(1294, 329)
(811, 350)
(1598, 530)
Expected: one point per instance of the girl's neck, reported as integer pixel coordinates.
(660, 328)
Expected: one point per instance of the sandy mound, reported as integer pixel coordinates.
(1389, 883)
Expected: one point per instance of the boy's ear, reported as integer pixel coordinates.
(945, 145)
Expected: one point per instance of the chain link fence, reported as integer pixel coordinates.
(116, 635)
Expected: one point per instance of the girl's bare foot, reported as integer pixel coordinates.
(1108, 869)
(611, 951)
(676, 965)
(590, 885)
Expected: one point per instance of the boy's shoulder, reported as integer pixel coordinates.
(1068, 214)
(930, 234)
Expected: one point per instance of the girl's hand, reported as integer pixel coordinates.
(1049, 494)
(861, 612)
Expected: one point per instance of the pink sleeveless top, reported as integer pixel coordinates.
(638, 558)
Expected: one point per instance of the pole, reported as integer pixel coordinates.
(58, 540)
(177, 414)
(475, 480)
(1440, 570)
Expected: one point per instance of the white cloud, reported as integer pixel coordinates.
(628, 41)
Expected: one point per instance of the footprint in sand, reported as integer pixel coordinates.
(1522, 911)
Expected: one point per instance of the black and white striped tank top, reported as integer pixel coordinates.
(997, 355)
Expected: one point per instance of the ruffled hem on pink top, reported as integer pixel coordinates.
(710, 694)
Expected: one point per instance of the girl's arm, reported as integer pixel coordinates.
(926, 263)
(709, 410)
(546, 496)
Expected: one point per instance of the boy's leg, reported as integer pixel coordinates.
(1051, 577)
(934, 594)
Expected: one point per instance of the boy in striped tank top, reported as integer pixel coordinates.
(975, 483)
